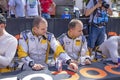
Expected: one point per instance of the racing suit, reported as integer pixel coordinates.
(111, 48)
(36, 48)
(76, 48)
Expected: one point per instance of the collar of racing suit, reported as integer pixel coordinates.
(44, 36)
(70, 36)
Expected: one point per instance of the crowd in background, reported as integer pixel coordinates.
(26, 8)
(32, 8)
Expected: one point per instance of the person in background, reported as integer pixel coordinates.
(3, 7)
(74, 42)
(46, 5)
(33, 8)
(8, 46)
(98, 10)
(76, 12)
(66, 14)
(18, 7)
(34, 46)
(52, 10)
(11, 13)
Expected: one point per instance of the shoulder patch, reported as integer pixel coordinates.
(61, 36)
(49, 35)
(83, 39)
(24, 34)
(60, 39)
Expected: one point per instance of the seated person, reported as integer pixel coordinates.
(8, 46)
(34, 46)
(111, 48)
(66, 14)
(75, 43)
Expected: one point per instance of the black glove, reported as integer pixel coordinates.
(68, 61)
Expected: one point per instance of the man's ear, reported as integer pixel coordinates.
(2, 25)
(34, 28)
(5, 25)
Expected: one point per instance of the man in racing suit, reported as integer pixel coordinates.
(34, 46)
(75, 43)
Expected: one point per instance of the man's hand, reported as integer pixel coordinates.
(98, 5)
(38, 67)
(73, 66)
(87, 61)
(109, 11)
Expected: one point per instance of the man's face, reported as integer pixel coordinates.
(77, 31)
(66, 12)
(41, 28)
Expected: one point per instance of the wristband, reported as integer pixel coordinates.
(31, 64)
(68, 61)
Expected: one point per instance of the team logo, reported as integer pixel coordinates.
(67, 43)
(32, 38)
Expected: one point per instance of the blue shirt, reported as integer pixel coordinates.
(66, 16)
